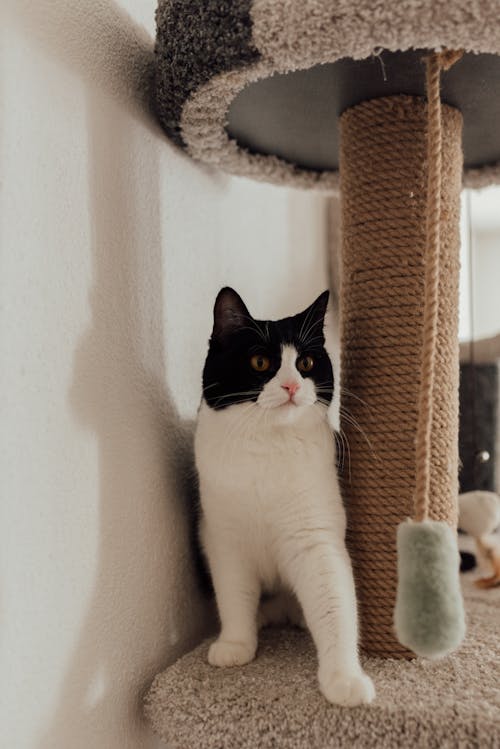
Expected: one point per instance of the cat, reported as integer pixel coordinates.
(272, 523)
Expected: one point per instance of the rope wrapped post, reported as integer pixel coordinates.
(384, 179)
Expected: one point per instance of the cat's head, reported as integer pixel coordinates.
(279, 366)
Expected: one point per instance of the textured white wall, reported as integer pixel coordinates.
(113, 247)
(485, 236)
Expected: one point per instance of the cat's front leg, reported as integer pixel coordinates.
(321, 577)
(237, 590)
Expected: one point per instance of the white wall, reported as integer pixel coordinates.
(480, 245)
(483, 261)
(113, 247)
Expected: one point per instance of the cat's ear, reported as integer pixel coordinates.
(314, 315)
(230, 313)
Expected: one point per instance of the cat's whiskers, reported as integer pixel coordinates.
(305, 336)
(345, 412)
(347, 453)
(340, 451)
(318, 405)
(343, 447)
(247, 395)
(348, 418)
(212, 385)
(327, 393)
(255, 326)
(308, 342)
(350, 394)
(253, 329)
(327, 404)
(305, 322)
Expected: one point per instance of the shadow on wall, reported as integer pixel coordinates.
(146, 608)
(145, 603)
(97, 40)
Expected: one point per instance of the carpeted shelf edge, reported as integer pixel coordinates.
(201, 66)
(274, 701)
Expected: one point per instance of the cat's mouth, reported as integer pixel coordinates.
(288, 403)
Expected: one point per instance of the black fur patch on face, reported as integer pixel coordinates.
(228, 377)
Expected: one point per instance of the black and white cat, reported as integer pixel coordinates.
(272, 519)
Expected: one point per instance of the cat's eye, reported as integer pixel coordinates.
(260, 363)
(305, 363)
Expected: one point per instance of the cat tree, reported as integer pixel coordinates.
(321, 95)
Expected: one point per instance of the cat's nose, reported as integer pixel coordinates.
(292, 387)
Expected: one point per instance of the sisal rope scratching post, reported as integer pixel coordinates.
(387, 285)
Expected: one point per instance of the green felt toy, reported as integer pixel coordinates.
(429, 614)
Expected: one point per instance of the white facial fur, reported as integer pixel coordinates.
(274, 393)
(287, 407)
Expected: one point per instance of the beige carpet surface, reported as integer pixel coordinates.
(275, 702)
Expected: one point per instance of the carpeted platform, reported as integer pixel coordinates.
(275, 702)
(257, 86)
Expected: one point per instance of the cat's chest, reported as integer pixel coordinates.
(264, 467)
(264, 463)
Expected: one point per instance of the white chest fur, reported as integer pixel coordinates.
(267, 486)
(272, 520)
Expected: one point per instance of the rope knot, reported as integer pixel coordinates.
(448, 57)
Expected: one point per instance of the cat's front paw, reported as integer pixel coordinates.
(223, 653)
(347, 688)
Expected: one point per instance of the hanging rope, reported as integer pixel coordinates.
(434, 63)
